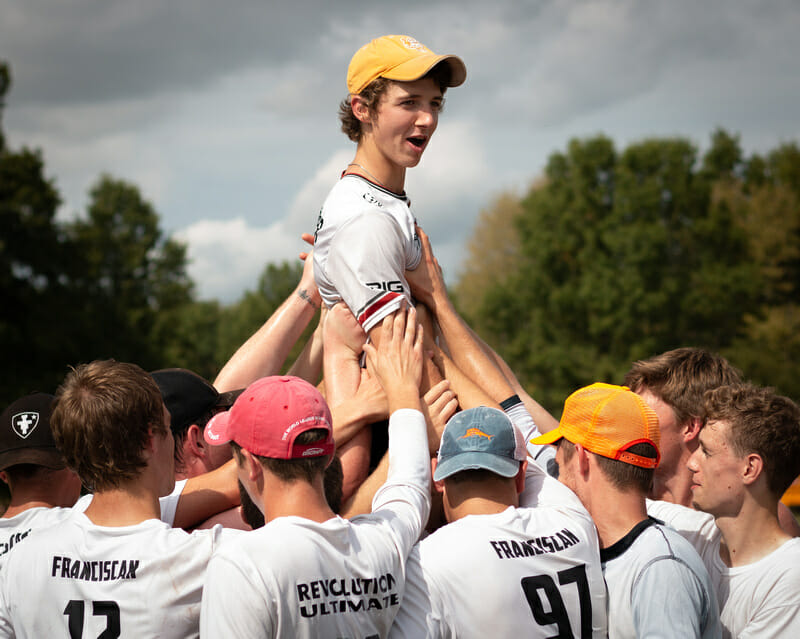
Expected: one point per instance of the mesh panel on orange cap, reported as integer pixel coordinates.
(607, 420)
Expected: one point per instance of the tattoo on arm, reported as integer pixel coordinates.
(303, 294)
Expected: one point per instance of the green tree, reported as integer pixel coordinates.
(130, 274)
(767, 208)
(239, 321)
(38, 314)
(622, 256)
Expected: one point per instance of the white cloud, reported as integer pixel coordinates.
(227, 257)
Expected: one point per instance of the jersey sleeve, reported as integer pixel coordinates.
(686, 610)
(417, 616)
(169, 504)
(545, 456)
(366, 264)
(781, 621)
(405, 498)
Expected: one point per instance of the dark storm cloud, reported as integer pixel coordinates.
(84, 51)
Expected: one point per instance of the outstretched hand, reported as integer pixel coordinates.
(397, 363)
(439, 404)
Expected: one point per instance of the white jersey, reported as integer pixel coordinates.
(299, 578)
(658, 586)
(532, 571)
(78, 579)
(761, 599)
(364, 241)
(15, 529)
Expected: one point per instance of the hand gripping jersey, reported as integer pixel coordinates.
(532, 571)
(298, 578)
(15, 529)
(78, 579)
(658, 586)
(761, 599)
(364, 241)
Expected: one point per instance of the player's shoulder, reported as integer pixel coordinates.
(352, 195)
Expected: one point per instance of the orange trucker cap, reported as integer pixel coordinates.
(607, 420)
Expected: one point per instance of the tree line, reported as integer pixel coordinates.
(611, 256)
(108, 283)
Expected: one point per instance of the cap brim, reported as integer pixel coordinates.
(217, 430)
(548, 438)
(228, 398)
(47, 457)
(416, 68)
(476, 460)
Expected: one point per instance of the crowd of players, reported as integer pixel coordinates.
(398, 481)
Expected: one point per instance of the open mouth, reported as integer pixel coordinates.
(417, 142)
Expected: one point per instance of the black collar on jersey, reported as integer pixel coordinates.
(380, 187)
(619, 547)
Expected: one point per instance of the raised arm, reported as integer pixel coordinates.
(266, 350)
(427, 285)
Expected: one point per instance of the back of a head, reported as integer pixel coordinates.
(761, 422)
(282, 420)
(681, 377)
(102, 419)
(479, 444)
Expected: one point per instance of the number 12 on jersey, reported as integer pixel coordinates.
(75, 612)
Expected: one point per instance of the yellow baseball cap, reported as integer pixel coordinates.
(401, 58)
(607, 420)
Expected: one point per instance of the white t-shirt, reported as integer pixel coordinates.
(658, 586)
(299, 578)
(78, 579)
(761, 599)
(365, 240)
(532, 571)
(15, 529)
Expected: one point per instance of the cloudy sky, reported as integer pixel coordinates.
(224, 113)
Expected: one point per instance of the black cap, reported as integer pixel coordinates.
(188, 397)
(25, 436)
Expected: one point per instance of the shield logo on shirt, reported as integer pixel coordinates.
(24, 423)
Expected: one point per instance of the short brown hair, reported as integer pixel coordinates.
(622, 475)
(102, 420)
(302, 469)
(681, 377)
(372, 93)
(760, 421)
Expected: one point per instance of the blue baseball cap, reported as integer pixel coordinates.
(480, 438)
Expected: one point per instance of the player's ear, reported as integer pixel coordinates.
(691, 429)
(194, 444)
(519, 479)
(583, 459)
(360, 109)
(438, 485)
(251, 465)
(752, 468)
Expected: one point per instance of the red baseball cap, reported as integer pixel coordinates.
(269, 415)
